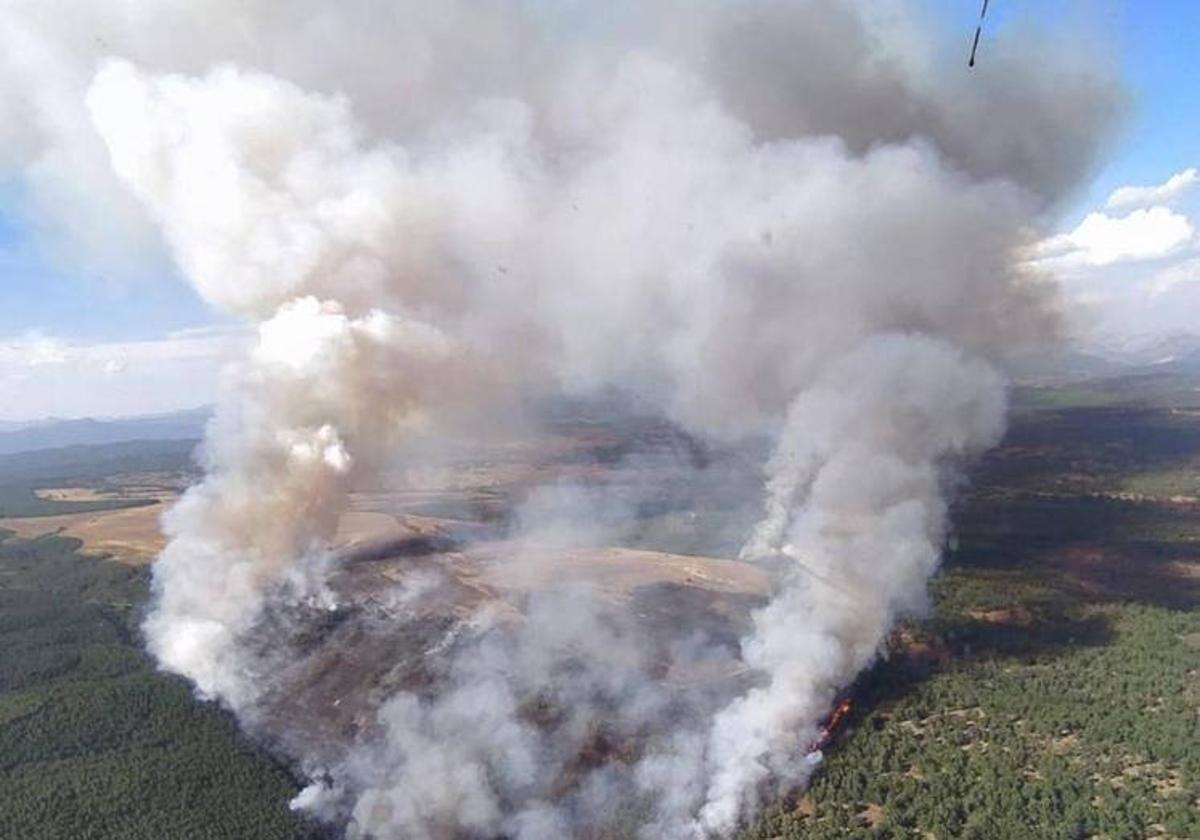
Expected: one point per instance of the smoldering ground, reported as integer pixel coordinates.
(596, 650)
(798, 220)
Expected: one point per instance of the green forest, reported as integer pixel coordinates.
(94, 743)
(1055, 690)
(1082, 724)
(23, 473)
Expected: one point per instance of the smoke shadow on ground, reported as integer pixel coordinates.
(1086, 448)
(1039, 547)
(1086, 549)
(421, 545)
(973, 638)
(1059, 500)
(949, 643)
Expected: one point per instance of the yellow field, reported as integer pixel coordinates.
(614, 572)
(73, 494)
(134, 535)
(131, 535)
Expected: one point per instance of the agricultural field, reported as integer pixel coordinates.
(93, 478)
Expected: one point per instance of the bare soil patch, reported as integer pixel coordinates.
(1012, 615)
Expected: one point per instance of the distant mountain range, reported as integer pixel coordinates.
(1175, 354)
(52, 434)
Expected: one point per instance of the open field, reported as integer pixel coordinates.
(119, 513)
(128, 536)
(72, 494)
(135, 535)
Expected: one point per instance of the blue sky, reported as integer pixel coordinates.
(1156, 43)
(1154, 287)
(1159, 42)
(43, 297)
(60, 309)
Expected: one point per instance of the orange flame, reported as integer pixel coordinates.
(839, 714)
(830, 728)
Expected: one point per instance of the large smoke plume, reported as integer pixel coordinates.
(800, 219)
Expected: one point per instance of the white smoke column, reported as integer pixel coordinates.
(856, 504)
(278, 470)
(264, 197)
(785, 214)
(471, 762)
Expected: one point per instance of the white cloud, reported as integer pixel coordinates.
(1132, 271)
(114, 366)
(40, 350)
(43, 376)
(1172, 277)
(1164, 193)
(1102, 240)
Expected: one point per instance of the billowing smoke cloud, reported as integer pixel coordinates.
(798, 219)
(854, 481)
